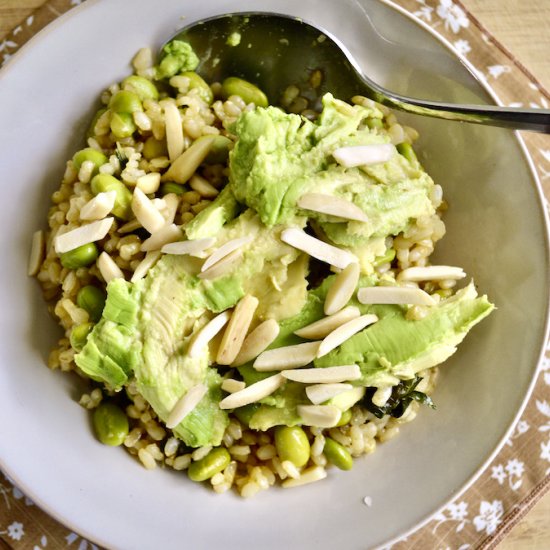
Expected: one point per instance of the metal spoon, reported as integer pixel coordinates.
(275, 51)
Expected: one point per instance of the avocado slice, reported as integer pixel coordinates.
(388, 351)
(278, 157)
(146, 326)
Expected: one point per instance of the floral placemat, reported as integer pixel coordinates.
(520, 474)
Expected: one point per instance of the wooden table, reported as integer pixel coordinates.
(522, 27)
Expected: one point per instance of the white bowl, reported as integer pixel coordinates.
(496, 231)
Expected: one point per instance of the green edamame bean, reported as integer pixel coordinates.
(93, 155)
(388, 256)
(196, 82)
(247, 91)
(345, 418)
(141, 86)
(407, 151)
(79, 335)
(375, 123)
(125, 102)
(219, 150)
(215, 461)
(169, 187)
(79, 257)
(91, 299)
(106, 182)
(110, 424)
(337, 454)
(91, 128)
(122, 125)
(292, 444)
(153, 148)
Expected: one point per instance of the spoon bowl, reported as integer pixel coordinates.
(276, 51)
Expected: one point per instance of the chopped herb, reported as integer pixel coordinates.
(121, 156)
(400, 398)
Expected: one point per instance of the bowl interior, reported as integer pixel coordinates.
(496, 231)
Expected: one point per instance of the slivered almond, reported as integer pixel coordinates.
(167, 234)
(253, 393)
(207, 333)
(431, 273)
(311, 475)
(394, 295)
(224, 266)
(185, 405)
(318, 249)
(237, 329)
(224, 250)
(171, 201)
(342, 289)
(132, 225)
(187, 163)
(108, 268)
(37, 252)
(326, 375)
(287, 357)
(257, 341)
(319, 393)
(321, 416)
(341, 334)
(325, 326)
(333, 206)
(145, 212)
(231, 386)
(174, 129)
(149, 183)
(145, 265)
(203, 187)
(98, 207)
(361, 155)
(85, 234)
(192, 247)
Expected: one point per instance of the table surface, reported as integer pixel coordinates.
(522, 27)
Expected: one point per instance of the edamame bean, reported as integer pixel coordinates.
(141, 86)
(110, 424)
(175, 188)
(215, 461)
(91, 299)
(79, 257)
(375, 123)
(292, 444)
(125, 102)
(93, 155)
(79, 335)
(122, 125)
(153, 148)
(388, 256)
(345, 418)
(247, 91)
(106, 182)
(219, 150)
(197, 83)
(91, 128)
(407, 151)
(337, 454)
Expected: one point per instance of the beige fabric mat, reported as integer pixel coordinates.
(519, 475)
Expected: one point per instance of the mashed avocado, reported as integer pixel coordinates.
(177, 57)
(147, 327)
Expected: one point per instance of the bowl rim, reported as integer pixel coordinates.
(63, 19)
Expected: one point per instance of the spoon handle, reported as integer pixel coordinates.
(537, 120)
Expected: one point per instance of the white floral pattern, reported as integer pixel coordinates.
(454, 16)
(490, 514)
(480, 512)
